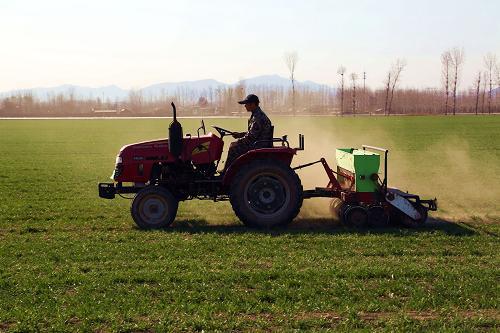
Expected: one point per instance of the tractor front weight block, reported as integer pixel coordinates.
(107, 190)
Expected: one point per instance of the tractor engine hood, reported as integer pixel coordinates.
(155, 149)
(134, 161)
(197, 149)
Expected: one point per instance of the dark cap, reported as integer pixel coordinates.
(250, 99)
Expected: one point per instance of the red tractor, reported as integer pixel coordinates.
(262, 187)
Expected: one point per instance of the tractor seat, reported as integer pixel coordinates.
(270, 142)
(266, 143)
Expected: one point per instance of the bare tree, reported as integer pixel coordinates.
(478, 87)
(291, 59)
(354, 77)
(490, 62)
(135, 100)
(457, 61)
(391, 83)
(210, 96)
(497, 71)
(445, 74)
(341, 72)
(483, 94)
(241, 89)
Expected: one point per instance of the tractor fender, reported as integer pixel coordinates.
(283, 154)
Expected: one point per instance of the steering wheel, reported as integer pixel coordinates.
(222, 131)
(202, 127)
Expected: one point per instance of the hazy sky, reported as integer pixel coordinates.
(136, 43)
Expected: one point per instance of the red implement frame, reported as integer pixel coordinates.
(333, 183)
(333, 189)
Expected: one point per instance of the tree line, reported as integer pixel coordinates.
(350, 97)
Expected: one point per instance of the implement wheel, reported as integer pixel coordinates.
(337, 208)
(377, 217)
(356, 216)
(154, 207)
(266, 193)
(408, 222)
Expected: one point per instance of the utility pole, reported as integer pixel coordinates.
(364, 91)
(341, 71)
(478, 87)
(354, 77)
(387, 89)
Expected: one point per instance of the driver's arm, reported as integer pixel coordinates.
(239, 135)
(253, 133)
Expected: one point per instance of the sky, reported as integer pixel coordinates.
(136, 43)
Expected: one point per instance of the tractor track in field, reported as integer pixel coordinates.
(478, 228)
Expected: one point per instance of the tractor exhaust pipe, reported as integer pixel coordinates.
(175, 135)
(301, 142)
(174, 110)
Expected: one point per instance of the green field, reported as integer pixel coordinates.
(72, 261)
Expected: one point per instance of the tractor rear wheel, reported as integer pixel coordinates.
(266, 193)
(154, 207)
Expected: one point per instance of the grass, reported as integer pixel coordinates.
(72, 261)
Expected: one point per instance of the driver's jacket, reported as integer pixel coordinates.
(259, 129)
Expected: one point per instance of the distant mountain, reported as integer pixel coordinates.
(171, 88)
(268, 81)
(279, 81)
(193, 89)
(79, 92)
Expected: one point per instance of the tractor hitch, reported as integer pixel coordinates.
(431, 204)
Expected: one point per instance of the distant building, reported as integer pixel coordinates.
(105, 111)
(110, 112)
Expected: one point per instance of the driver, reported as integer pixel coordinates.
(259, 129)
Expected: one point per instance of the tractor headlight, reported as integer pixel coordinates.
(118, 168)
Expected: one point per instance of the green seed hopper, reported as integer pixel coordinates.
(363, 167)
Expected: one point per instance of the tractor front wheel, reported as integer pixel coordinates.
(154, 207)
(266, 193)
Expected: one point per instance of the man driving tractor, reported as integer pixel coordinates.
(259, 134)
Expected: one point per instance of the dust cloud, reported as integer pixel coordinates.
(322, 137)
(462, 179)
